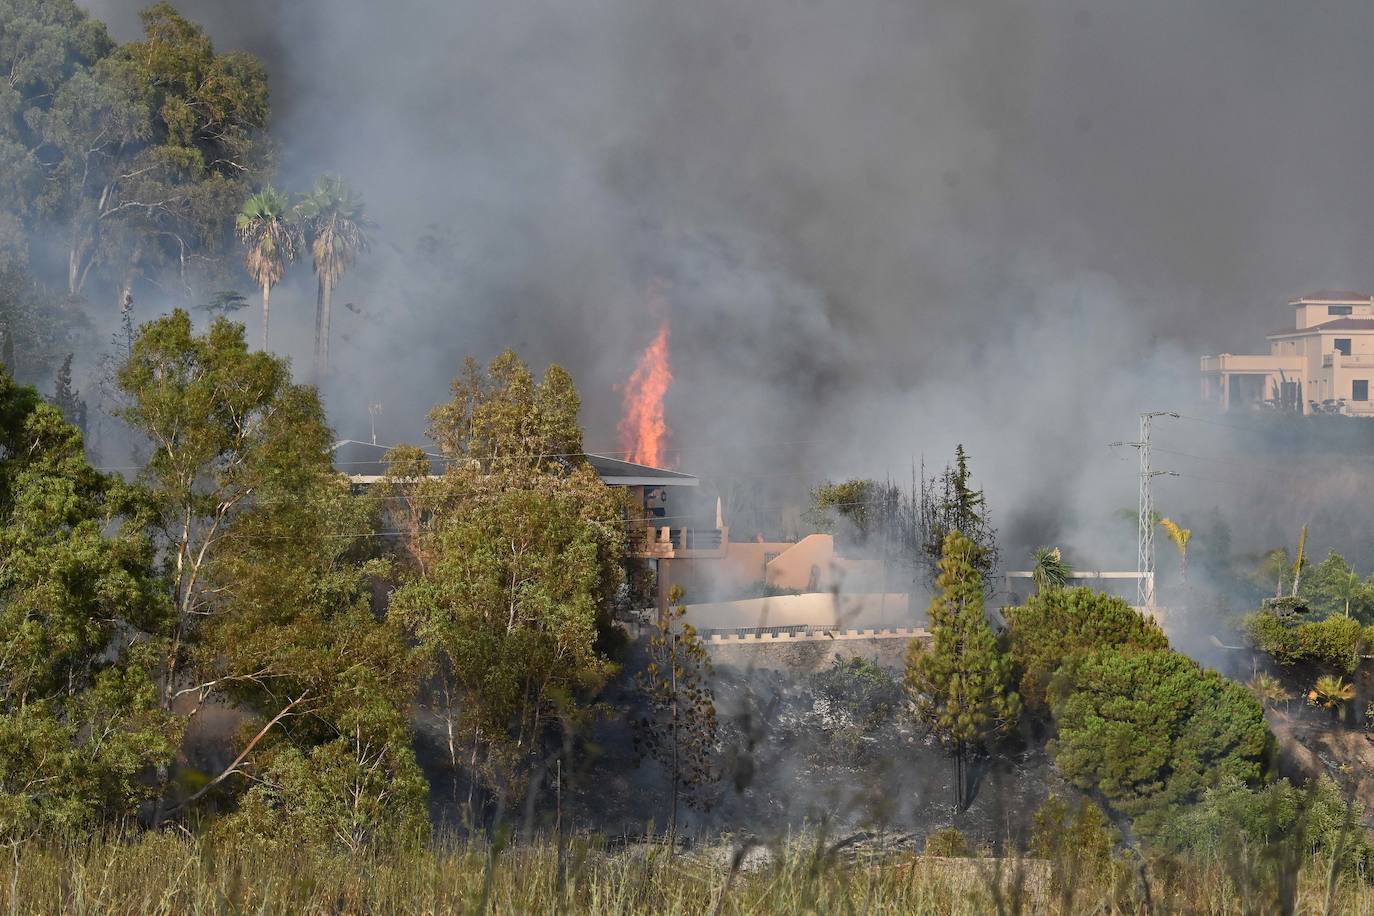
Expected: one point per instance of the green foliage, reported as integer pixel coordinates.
(947, 843)
(1333, 587)
(503, 420)
(514, 567)
(1152, 731)
(855, 508)
(1078, 842)
(961, 685)
(80, 619)
(1334, 643)
(679, 728)
(225, 426)
(356, 792)
(948, 503)
(1048, 569)
(267, 565)
(1061, 625)
(1260, 837)
(151, 149)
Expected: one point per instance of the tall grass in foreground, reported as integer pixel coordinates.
(174, 874)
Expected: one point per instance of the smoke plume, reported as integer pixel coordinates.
(879, 227)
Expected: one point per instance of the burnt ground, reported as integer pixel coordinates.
(793, 762)
(1314, 741)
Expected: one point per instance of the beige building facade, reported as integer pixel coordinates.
(1324, 364)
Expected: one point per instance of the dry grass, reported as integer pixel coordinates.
(171, 874)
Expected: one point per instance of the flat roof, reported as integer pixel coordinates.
(618, 473)
(1333, 297)
(1336, 324)
(614, 472)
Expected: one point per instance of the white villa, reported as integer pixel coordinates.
(1324, 364)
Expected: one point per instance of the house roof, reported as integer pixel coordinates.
(362, 462)
(1338, 296)
(1337, 324)
(616, 472)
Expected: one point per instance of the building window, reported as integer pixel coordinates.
(1359, 389)
(1340, 309)
(1343, 346)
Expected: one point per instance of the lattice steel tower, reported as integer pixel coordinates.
(1145, 529)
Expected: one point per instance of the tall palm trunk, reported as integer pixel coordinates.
(266, 311)
(324, 338)
(319, 325)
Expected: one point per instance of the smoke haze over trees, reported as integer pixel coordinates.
(863, 216)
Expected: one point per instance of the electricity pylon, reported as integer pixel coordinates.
(1145, 529)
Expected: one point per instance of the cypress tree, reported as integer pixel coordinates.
(960, 684)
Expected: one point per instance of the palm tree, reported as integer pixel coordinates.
(272, 239)
(333, 216)
(1348, 587)
(1330, 692)
(1268, 690)
(1048, 569)
(1180, 537)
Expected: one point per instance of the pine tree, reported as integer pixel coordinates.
(680, 729)
(961, 684)
(949, 503)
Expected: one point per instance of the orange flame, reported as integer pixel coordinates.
(643, 431)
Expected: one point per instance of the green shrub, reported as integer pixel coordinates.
(1064, 623)
(355, 793)
(1261, 836)
(1335, 642)
(948, 843)
(1077, 841)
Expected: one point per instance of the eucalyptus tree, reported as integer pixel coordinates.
(516, 562)
(146, 153)
(272, 239)
(336, 224)
(268, 581)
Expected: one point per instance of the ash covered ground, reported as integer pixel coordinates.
(804, 750)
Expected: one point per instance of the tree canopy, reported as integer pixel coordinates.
(517, 557)
(268, 574)
(1061, 624)
(81, 616)
(948, 503)
(1152, 730)
(961, 684)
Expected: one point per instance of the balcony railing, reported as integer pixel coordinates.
(1341, 361)
(668, 542)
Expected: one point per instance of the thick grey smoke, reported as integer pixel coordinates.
(879, 226)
